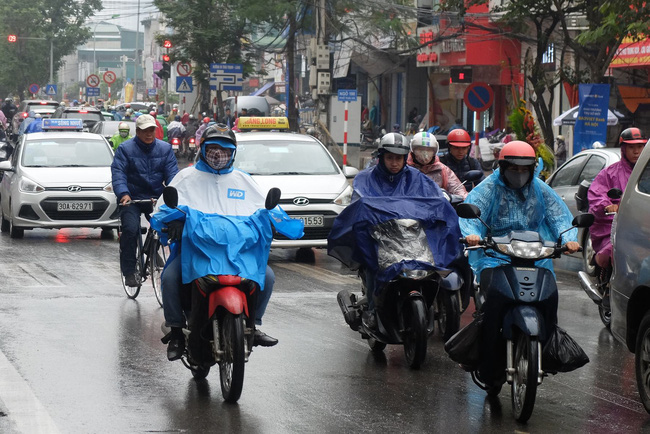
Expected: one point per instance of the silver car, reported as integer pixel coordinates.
(630, 282)
(58, 179)
(567, 178)
(314, 189)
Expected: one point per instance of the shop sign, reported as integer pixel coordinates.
(429, 52)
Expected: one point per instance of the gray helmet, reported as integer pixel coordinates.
(395, 143)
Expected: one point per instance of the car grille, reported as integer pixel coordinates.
(99, 207)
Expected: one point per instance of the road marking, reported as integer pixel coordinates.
(322, 275)
(24, 409)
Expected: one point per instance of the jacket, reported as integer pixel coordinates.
(461, 167)
(441, 175)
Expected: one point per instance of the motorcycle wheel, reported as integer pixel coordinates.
(587, 254)
(448, 314)
(642, 361)
(415, 333)
(605, 316)
(375, 345)
(524, 383)
(231, 367)
(157, 260)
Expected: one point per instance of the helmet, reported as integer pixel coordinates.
(129, 111)
(459, 137)
(206, 120)
(632, 136)
(192, 117)
(518, 152)
(424, 140)
(598, 145)
(38, 116)
(152, 113)
(123, 126)
(395, 127)
(560, 137)
(218, 131)
(177, 118)
(175, 106)
(395, 143)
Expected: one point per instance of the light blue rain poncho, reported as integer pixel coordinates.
(534, 207)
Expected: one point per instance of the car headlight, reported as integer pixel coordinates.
(525, 250)
(344, 198)
(109, 187)
(28, 186)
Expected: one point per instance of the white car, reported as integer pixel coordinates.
(314, 189)
(58, 179)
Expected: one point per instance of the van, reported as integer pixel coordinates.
(630, 282)
(255, 105)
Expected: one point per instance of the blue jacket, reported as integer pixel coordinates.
(139, 170)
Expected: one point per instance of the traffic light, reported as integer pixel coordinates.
(165, 57)
(167, 43)
(12, 38)
(165, 71)
(460, 75)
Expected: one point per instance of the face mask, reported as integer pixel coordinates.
(516, 179)
(217, 157)
(123, 134)
(423, 156)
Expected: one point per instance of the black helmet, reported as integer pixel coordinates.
(632, 136)
(219, 131)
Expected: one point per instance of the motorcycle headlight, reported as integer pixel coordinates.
(344, 198)
(525, 250)
(416, 274)
(28, 186)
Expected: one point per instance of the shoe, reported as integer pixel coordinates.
(262, 339)
(132, 281)
(369, 319)
(175, 349)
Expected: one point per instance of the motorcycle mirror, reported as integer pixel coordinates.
(468, 211)
(170, 196)
(583, 220)
(473, 175)
(272, 198)
(615, 193)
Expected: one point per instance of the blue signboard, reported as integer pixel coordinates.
(591, 124)
(34, 88)
(50, 89)
(226, 76)
(347, 95)
(152, 91)
(62, 124)
(184, 85)
(92, 91)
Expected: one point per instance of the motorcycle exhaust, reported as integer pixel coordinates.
(350, 312)
(589, 287)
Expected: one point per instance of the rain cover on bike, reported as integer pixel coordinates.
(534, 207)
(227, 229)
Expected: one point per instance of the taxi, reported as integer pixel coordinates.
(314, 188)
(58, 178)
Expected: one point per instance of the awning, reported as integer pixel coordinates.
(633, 96)
(263, 89)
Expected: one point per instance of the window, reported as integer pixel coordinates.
(568, 174)
(592, 168)
(644, 180)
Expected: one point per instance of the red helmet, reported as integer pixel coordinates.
(206, 120)
(152, 113)
(519, 153)
(459, 137)
(632, 136)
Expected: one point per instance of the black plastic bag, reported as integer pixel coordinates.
(464, 346)
(562, 353)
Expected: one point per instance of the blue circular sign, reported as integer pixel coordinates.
(479, 97)
(34, 88)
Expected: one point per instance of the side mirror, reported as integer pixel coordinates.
(615, 193)
(5, 166)
(350, 172)
(583, 220)
(473, 175)
(467, 211)
(170, 195)
(272, 198)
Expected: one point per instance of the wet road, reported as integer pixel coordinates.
(77, 356)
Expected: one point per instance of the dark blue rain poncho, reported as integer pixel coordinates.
(534, 207)
(379, 197)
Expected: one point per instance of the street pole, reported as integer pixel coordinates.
(51, 61)
(137, 56)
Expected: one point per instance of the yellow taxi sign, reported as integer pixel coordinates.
(248, 123)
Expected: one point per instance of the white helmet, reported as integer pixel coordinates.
(123, 126)
(424, 147)
(395, 143)
(598, 145)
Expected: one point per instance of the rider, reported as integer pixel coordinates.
(36, 126)
(632, 142)
(512, 198)
(205, 187)
(458, 159)
(140, 167)
(424, 157)
(176, 129)
(122, 135)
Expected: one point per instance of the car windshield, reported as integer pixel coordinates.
(284, 158)
(72, 152)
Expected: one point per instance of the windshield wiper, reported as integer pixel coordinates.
(72, 165)
(287, 173)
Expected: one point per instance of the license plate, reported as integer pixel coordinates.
(74, 206)
(175, 147)
(310, 221)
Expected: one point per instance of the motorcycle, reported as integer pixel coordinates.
(221, 323)
(191, 148)
(409, 304)
(176, 144)
(598, 290)
(523, 313)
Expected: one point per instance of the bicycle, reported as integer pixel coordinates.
(151, 258)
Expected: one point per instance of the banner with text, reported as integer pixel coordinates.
(591, 125)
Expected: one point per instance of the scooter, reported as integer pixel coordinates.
(408, 305)
(221, 324)
(521, 311)
(191, 149)
(597, 286)
(176, 144)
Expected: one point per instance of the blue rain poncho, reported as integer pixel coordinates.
(380, 197)
(534, 207)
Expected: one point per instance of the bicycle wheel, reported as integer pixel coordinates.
(133, 291)
(157, 260)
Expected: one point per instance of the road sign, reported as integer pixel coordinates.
(50, 89)
(184, 85)
(92, 80)
(109, 77)
(347, 95)
(226, 76)
(479, 96)
(183, 69)
(34, 88)
(92, 91)
(152, 91)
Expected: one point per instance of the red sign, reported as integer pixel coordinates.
(254, 82)
(12, 38)
(632, 54)
(479, 97)
(109, 77)
(92, 80)
(183, 69)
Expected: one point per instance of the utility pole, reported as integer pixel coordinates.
(319, 71)
(137, 57)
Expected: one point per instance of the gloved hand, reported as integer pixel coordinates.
(175, 229)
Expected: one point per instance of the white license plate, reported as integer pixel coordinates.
(310, 221)
(175, 147)
(192, 145)
(74, 206)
